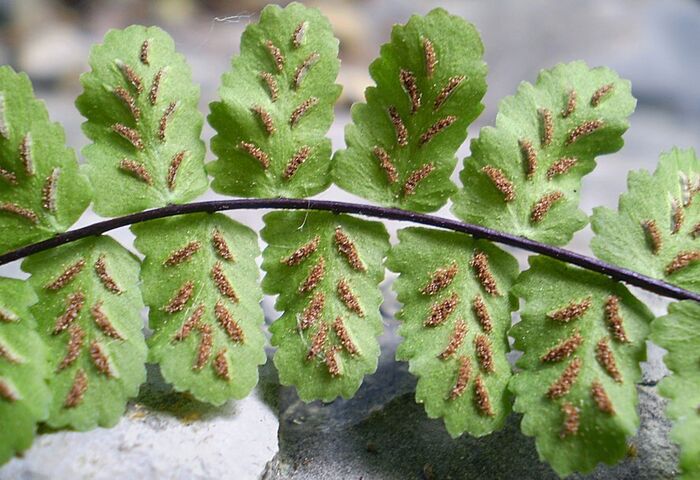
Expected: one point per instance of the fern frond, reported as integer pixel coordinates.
(41, 190)
(456, 312)
(583, 336)
(326, 270)
(24, 396)
(524, 174)
(142, 115)
(430, 80)
(89, 315)
(200, 281)
(276, 107)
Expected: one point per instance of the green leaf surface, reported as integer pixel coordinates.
(524, 174)
(656, 230)
(200, 280)
(142, 115)
(24, 396)
(41, 189)
(430, 80)
(583, 336)
(276, 107)
(456, 311)
(678, 333)
(326, 269)
(89, 315)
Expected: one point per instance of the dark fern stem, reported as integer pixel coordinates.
(653, 285)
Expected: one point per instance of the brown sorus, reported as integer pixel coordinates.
(104, 276)
(409, 84)
(298, 35)
(301, 110)
(481, 396)
(430, 57)
(76, 336)
(571, 420)
(315, 275)
(344, 336)
(606, 359)
(303, 68)
(296, 161)
(190, 324)
(439, 279)
(124, 95)
(330, 358)
(155, 87)
(228, 323)
(447, 91)
(180, 299)
(435, 129)
(271, 83)
(570, 104)
(456, 340)
(348, 249)
(8, 316)
(276, 55)
(255, 152)
(223, 284)
(265, 119)
(586, 128)
(77, 390)
(100, 359)
(682, 260)
(302, 253)
(530, 154)
(417, 176)
(600, 94)
(614, 319)
(564, 349)
(482, 313)
(20, 211)
(480, 264)
(49, 191)
(318, 342)
(401, 131)
(206, 343)
(696, 231)
(313, 311)
(439, 311)
(349, 298)
(66, 276)
(103, 322)
(8, 176)
(600, 396)
(221, 365)
(547, 126)
(500, 181)
(563, 384)
(484, 353)
(182, 254)
(220, 245)
(561, 166)
(572, 311)
(678, 217)
(6, 391)
(4, 130)
(136, 169)
(6, 354)
(143, 54)
(74, 305)
(25, 154)
(174, 168)
(462, 377)
(544, 205)
(131, 76)
(386, 164)
(131, 135)
(164, 119)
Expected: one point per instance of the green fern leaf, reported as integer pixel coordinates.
(402, 145)
(656, 230)
(456, 314)
(24, 396)
(200, 281)
(89, 314)
(141, 110)
(326, 270)
(41, 189)
(276, 106)
(678, 333)
(583, 336)
(524, 174)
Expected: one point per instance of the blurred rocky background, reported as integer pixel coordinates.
(382, 433)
